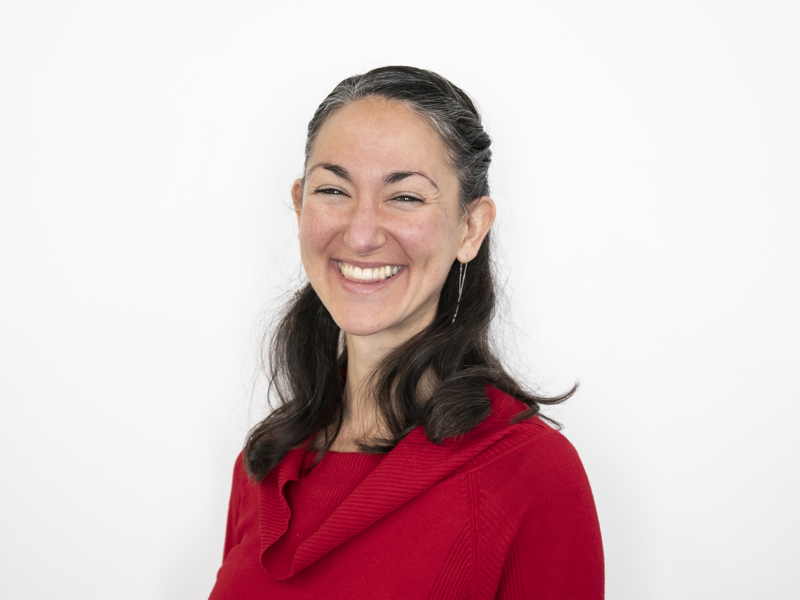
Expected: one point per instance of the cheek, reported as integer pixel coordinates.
(315, 231)
(431, 240)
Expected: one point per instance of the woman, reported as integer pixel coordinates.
(402, 460)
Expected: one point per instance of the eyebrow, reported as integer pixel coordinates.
(335, 169)
(390, 178)
(400, 175)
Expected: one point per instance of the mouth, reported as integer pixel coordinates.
(368, 275)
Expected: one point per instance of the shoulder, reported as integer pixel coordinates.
(529, 458)
(240, 478)
(521, 433)
(532, 444)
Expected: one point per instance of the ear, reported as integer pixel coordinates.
(297, 198)
(477, 223)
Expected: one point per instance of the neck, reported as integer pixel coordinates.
(362, 419)
(363, 355)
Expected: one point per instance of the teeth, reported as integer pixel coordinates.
(367, 274)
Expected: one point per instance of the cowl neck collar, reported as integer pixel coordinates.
(412, 467)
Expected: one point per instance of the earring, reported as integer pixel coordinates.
(462, 275)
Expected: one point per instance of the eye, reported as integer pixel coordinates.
(406, 198)
(331, 191)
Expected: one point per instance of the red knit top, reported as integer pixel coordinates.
(314, 497)
(503, 512)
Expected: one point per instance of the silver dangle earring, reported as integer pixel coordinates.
(462, 275)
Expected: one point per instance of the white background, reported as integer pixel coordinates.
(647, 177)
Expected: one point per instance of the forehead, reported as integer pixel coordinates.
(380, 133)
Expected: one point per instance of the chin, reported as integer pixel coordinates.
(361, 324)
(359, 327)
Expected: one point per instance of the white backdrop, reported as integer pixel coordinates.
(647, 177)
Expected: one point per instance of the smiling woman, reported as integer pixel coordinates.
(402, 460)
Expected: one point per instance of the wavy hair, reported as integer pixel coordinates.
(306, 352)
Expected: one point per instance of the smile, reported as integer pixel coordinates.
(368, 275)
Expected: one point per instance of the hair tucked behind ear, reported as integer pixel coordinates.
(307, 358)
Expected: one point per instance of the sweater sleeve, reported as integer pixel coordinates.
(233, 506)
(557, 553)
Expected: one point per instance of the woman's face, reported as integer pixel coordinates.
(379, 219)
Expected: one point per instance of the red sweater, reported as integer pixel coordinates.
(504, 512)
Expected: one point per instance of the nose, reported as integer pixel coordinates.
(364, 232)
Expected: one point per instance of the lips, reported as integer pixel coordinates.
(367, 274)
